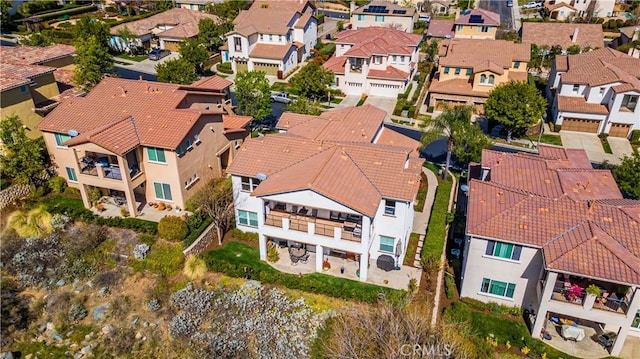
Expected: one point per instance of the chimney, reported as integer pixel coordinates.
(574, 37)
(352, 7)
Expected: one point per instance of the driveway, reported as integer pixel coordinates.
(348, 101)
(385, 103)
(589, 142)
(620, 146)
(146, 66)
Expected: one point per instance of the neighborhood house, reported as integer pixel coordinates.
(382, 13)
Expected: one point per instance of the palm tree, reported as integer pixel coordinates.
(451, 123)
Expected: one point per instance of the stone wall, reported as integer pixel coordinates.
(13, 194)
(202, 242)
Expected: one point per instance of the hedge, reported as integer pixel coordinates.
(224, 67)
(241, 260)
(635, 136)
(435, 237)
(70, 12)
(193, 235)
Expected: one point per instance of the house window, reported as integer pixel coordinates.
(360, 17)
(401, 58)
(389, 207)
(457, 71)
(193, 179)
(377, 60)
(575, 89)
(279, 38)
(270, 37)
(501, 289)
(516, 64)
(180, 150)
(61, 138)
(602, 89)
(394, 58)
(187, 144)
(249, 184)
(460, 27)
(503, 250)
(483, 79)
(483, 28)
(630, 102)
(71, 174)
(636, 320)
(379, 18)
(446, 69)
(163, 191)
(387, 244)
(469, 72)
(237, 42)
(247, 218)
(24, 89)
(196, 139)
(156, 155)
(491, 79)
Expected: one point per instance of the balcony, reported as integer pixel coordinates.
(608, 300)
(345, 226)
(104, 166)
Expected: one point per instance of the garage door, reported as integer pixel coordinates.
(241, 66)
(384, 90)
(173, 46)
(619, 130)
(269, 69)
(580, 125)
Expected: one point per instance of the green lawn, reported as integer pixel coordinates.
(434, 240)
(136, 58)
(241, 260)
(549, 139)
(412, 247)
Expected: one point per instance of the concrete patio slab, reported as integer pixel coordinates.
(631, 348)
(348, 101)
(588, 348)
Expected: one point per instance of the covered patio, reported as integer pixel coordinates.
(587, 348)
(112, 207)
(396, 279)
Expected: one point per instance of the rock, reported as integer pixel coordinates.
(56, 337)
(89, 284)
(86, 350)
(50, 326)
(77, 356)
(134, 322)
(145, 324)
(67, 342)
(60, 283)
(78, 289)
(153, 325)
(98, 312)
(28, 356)
(138, 336)
(107, 329)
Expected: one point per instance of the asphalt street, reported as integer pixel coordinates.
(500, 7)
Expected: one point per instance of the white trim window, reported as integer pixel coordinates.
(249, 183)
(247, 218)
(60, 139)
(193, 179)
(156, 155)
(503, 250)
(162, 191)
(389, 207)
(497, 288)
(387, 244)
(71, 174)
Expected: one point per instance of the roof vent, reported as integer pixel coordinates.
(73, 133)
(261, 176)
(543, 210)
(523, 226)
(607, 219)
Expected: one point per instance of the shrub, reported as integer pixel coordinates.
(449, 285)
(165, 259)
(363, 98)
(458, 312)
(272, 254)
(635, 136)
(72, 191)
(195, 233)
(244, 236)
(34, 223)
(194, 267)
(172, 228)
(57, 184)
(224, 67)
(94, 195)
(195, 220)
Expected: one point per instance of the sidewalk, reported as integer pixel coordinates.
(421, 219)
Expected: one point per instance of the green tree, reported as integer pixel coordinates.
(454, 123)
(574, 49)
(22, 159)
(87, 27)
(39, 39)
(312, 81)
(210, 34)
(194, 52)
(176, 71)
(510, 35)
(431, 48)
(216, 200)
(543, 56)
(127, 37)
(228, 10)
(253, 94)
(91, 63)
(5, 19)
(517, 105)
(304, 106)
(627, 174)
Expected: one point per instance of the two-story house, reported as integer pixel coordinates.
(271, 36)
(469, 69)
(541, 228)
(382, 13)
(28, 85)
(338, 184)
(584, 8)
(565, 35)
(378, 61)
(596, 92)
(145, 141)
(165, 30)
(468, 24)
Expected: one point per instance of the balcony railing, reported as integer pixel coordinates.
(565, 295)
(602, 302)
(611, 304)
(100, 167)
(351, 231)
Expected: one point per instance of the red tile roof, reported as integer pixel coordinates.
(472, 52)
(162, 113)
(214, 82)
(390, 7)
(33, 55)
(183, 22)
(269, 17)
(580, 105)
(441, 28)
(389, 73)
(599, 67)
(335, 64)
(12, 75)
(487, 17)
(455, 87)
(557, 33)
(268, 51)
(378, 40)
(557, 202)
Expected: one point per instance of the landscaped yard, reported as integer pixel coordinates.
(412, 247)
(422, 193)
(555, 140)
(136, 58)
(241, 260)
(435, 237)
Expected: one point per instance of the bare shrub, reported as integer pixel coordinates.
(120, 307)
(107, 279)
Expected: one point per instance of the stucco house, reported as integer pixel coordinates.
(541, 228)
(296, 188)
(468, 24)
(384, 14)
(560, 11)
(271, 36)
(145, 141)
(165, 30)
(378, 61)
(595, 8)
(469, 69)
(32, 80)
(596, 91)
(563, 34)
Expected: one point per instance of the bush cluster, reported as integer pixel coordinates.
(244, 236)
(172, 228)
(224, 67)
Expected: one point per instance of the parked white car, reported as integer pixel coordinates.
(281, 97)
(532, 5)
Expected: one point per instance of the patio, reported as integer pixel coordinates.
(148, 213)
(588, 348)
(396, 279)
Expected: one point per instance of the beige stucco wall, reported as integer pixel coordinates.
(404, 23)
(63, 62)
(472, 32)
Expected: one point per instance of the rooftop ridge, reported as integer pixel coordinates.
(616, 247)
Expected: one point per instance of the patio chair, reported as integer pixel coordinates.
(305, 258)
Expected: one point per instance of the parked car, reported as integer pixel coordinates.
(157, 54)
(509, 3)
(532, 5)
(281, 97)
(424, 18)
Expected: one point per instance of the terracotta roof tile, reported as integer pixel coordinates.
(234, 122)
(389, 73)
(454, 87)
(183, 22)
(556, 33)
(12, 75)
(268, 51)
(487, 17)
(378, 40)
(394, 138)
(33, 55)
(441, 28)
(559, 5)
(335, 64)
(214, 82)
(580, 105)
(472, 52)
(490, 66)
(303, 21)
(163, 113)
(268, 17)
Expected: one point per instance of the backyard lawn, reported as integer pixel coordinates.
(412, 247)
(136, 58)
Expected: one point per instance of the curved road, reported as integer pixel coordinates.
(500, 7)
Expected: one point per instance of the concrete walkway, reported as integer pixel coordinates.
(620, 146)
(384, 103)
(348, 101)
(421, 219)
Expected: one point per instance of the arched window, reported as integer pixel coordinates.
(483, 78)
(491, 78)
